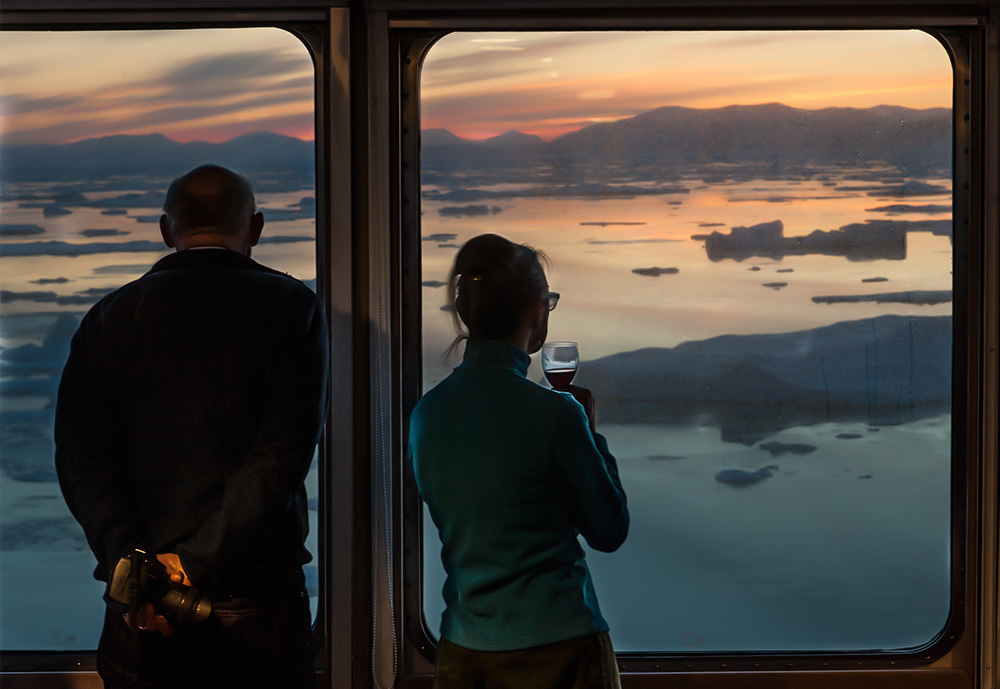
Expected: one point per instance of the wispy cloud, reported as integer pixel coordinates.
(224, 75)
(562, 81)
(213, 85)
(15, 104)
(208, 92)
(550, 111)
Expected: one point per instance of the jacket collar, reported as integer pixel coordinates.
(482, 354)
(216, 258)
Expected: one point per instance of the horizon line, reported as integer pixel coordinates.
(477, 138)
(680, 107)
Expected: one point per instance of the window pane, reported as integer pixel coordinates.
(751, 234)
(95, 125)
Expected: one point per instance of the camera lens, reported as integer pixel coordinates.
(183, 608)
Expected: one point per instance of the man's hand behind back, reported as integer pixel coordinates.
(147, 619)
(174, 568)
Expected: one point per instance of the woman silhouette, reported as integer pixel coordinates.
(512, 473)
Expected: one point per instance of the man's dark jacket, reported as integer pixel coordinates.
(188, 414)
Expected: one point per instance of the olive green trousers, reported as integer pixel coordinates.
(586, 662)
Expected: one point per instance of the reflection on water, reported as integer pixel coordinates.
(772, 367)
(596, 245)
(811, 555)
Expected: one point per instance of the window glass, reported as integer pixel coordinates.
(751, 234)
(94, 127)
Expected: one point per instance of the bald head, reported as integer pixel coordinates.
(209, 197)
(211, 206)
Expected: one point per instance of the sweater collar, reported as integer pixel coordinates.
(190, 258)
(495, 354)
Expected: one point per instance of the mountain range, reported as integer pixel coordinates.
(767, 139)
(771, 136)
(260, 155)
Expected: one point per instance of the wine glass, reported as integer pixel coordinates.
(559, 363)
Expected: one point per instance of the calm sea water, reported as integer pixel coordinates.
(607, 308)
(824, 555)
(844, 548)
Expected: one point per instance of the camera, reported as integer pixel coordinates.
(139, 579)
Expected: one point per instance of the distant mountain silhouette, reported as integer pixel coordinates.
(763, 139)
(771, 137)
(513, 151)
(770, 132)
(514, 139)
(261, 155)
(441, 137)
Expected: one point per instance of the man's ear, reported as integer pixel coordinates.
(256, 227)
(166, 231)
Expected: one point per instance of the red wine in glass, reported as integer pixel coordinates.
(560, 378)
(559, 363)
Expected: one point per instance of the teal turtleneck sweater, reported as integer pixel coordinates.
(512, 474)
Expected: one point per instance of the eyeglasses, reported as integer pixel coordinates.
(553, 299)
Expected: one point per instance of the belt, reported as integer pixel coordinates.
(264, 584)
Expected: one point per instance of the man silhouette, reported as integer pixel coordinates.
(188, 414)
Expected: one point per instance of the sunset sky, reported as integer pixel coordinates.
(208, 85)
(548, 83)
(213, 85)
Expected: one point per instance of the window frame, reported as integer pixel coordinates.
(948, 660)
(313, 28)
(363, 252)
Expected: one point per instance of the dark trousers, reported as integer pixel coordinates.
(586, 662)
(262, 641)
